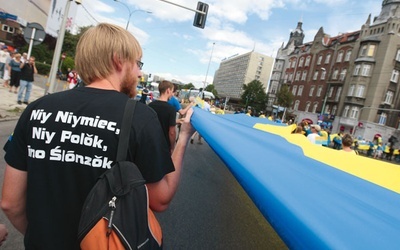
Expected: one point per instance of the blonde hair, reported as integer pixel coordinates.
(100, 46)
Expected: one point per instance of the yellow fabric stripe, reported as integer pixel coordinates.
(381, 173)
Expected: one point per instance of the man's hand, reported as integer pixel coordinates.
(187, 129)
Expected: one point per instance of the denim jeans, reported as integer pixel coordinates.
(2, 69)
(24, 85)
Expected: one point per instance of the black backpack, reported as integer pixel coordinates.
(116, 213)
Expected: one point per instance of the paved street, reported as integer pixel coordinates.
(209, 211)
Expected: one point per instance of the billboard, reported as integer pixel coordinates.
(55, 16)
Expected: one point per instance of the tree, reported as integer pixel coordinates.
(254, 95)
(211, 88)
(188, 86)
(284, 97)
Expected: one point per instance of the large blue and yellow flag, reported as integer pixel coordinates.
(314, 197)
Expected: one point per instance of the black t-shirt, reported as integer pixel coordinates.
(166, 115)
(65, 141)
(27, 72)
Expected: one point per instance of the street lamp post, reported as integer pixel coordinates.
(205, 81)
(326, 94)
(131, 12)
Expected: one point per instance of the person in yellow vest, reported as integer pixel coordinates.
(262, 115)
(248, 112)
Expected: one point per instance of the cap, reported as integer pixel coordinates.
(317, 127)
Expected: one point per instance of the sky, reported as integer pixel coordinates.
(176, 50)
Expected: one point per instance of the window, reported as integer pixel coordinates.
(315, 77)
(301, 62)
(330, 92)
(294, 89)
(357, 70)
(323, 75)
(340, 57)
(351, 90)
(348, 55)
(298, 73)
(300, 92)
(315, 107)
(389, 97)
(296, 105)
(326, 111)
(343, 75)
(328, 58)
(285, 78)
(371, 50)
(366, 70)
(334, 109)
(363, 51)
(319, 60)
(338, 93)
(311, 90)
(7, 28)
(308, 59)
(335, 74)
(319, 91)
(360, 91)
(395, 76)
(346, 111)
(398, 55)
(382, 119)
(293, 63)
(290, 77)
(307, 107)
(354, 112)
(304, 75)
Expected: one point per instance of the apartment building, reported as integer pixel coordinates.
(348, 82)
(238, 70)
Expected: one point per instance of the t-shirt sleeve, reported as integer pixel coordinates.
(16, 148)
(176, 104)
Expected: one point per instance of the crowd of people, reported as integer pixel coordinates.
(18, 71)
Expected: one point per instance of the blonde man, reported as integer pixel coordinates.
(64, 141)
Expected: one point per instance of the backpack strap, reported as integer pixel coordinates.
(124, 135)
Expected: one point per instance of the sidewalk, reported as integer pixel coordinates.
(10, 109)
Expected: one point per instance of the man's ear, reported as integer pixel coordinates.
(117, 63)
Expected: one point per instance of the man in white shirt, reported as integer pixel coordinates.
(314, 133)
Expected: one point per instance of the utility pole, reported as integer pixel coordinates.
(57, 51)
(205, 81)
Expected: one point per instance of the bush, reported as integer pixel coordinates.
(43, 69)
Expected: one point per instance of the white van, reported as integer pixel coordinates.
(186, 93)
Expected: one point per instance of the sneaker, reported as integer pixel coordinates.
(26, 103)
(19, 102)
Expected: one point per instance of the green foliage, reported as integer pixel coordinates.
(187, 86)
(67, 63)
(284, 97)
(211, 88)
(43, 69)
(254, 95)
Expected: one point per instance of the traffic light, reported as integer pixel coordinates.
(200, 19)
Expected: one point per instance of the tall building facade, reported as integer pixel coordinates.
(238, 70)
(348, 82)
